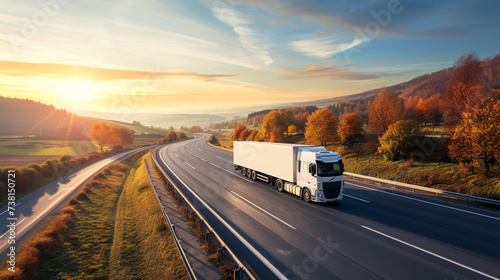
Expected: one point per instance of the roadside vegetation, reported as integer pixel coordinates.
(34, 176)
(86, 240)
(448, 139)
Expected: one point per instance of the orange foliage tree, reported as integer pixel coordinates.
(350, 129)
(431, 109)
(321, 127)
(244, 134)
(464, 89)
(387, 109)
(237, 131)
(110, 134)
(171, 136)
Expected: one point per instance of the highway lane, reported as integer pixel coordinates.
(31, 209)
(371, 234)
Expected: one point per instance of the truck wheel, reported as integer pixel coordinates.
(306, 195)
(279, 185)
(249, 173)
(254, 175)
(243, 171)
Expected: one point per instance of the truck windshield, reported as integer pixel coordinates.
(326, 169)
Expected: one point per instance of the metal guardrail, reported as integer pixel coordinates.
(189, 269)
(426, 189)
(224, 246)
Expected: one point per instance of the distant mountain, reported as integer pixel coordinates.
(423, 86)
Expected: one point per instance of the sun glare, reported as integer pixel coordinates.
(77, 89)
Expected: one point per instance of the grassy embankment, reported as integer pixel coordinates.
(438, 175)
(112, 229)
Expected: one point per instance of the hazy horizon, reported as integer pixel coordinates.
(205, 56)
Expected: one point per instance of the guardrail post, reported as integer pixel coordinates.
(220, 254)
(207, 236)
(237, 274)
(173, 227)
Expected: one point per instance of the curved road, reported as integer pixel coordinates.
(372, 234)
(31, 209)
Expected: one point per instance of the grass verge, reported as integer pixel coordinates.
(78, 242)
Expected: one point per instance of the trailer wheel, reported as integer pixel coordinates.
(249, 173)
(254, 175)
(243, 171)
(306, 195)
(279, 185)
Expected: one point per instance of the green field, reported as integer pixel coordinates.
(137, 128)
(36, 147)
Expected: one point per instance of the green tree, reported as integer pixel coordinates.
(400, 139)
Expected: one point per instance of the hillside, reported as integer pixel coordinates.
(423, 86)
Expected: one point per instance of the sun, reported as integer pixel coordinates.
(77, 89)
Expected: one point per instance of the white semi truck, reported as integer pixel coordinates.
(309, 172)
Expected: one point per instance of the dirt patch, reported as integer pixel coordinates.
(23, 160)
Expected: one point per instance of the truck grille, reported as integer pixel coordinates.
(332, 189)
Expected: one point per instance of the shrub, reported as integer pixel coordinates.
(400, 140)
(73, 201)
(65, 159)
(69, 210)
(82, 196)
(36, 167)
(30, 173)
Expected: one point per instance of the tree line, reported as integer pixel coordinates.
(469, 110)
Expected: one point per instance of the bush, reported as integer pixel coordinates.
(73, 201)
(400, 139)
(36, 167)
(69, 210)
(82, 196)
(30, 173)
(65, 159)
(22, 181)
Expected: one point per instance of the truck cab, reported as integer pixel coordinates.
(321, 172)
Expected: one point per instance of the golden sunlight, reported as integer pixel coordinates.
(77, 89)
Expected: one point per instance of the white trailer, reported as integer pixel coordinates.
(310, 172)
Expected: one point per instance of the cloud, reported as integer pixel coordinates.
(247, 36)
(324, 33)
(443, 19)
(257, 72)
(67, 71)
(327, 71)
(323, 47)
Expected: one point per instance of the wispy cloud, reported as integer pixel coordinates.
(327, 71)
(323, 47)
(248, 38)
(67, 71)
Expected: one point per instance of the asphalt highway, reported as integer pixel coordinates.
(31, 209)
(373, 233)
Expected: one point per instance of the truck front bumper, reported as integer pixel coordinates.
(320, 197)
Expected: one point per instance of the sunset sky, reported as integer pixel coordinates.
(201, 55)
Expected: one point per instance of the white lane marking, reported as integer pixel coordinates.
(8, 209)
(357, 198)
(16, 226)
(256, 206)
(428, 202)
(431, 253)
(59, 192)
(190, 165)
(200, 149)
(176, 155)
(233, 231)
(224, 159)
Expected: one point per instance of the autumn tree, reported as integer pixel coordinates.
(431, 109)
(387, 109)
(350, 129)
(110, 134)
(253, 136)
(464, 89)
(300, 120)
(321, 127)
(271, 124)
(237, 131)
(171, 136)
(195, 129)
(182, 135)
(400, 140)
(292, 129)
(244, 134)
(101, 133)
(477, 137)
(287, 117)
